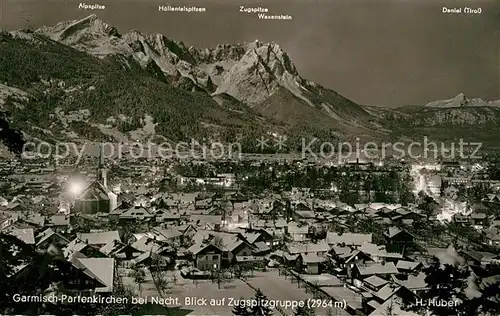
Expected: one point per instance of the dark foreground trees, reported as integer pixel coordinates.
(253, 309)
(26, 272)
(304, 311)
(456, 283)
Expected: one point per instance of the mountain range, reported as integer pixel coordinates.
(83, 79)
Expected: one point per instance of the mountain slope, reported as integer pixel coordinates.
(251, 73)
(461, 101)
(84, 80)
(58, 82)
(473, 120)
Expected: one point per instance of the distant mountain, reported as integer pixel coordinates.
(457, 118)
(461, 101)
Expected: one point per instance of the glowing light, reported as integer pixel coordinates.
(76, 187)
(423, 181)
(451, 208)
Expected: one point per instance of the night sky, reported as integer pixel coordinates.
(387, 53)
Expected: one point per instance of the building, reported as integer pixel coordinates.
(97, 198)
(207, 256)
(398, 240)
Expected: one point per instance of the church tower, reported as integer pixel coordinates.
(102, 172)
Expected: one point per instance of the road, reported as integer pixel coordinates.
(184, 288)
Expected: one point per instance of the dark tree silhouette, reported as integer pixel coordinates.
(456, 284)
(241, 309)
(41, 272)
(13, 139)
(304, 311)
(260, 310)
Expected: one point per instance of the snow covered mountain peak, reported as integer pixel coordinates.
(461, 101)
(73, 31)
(253, 73)
(259, 72)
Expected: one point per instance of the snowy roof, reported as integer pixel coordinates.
(102, 269)
(375, 281)
(377, 268)
(348, 238)
(99, 238)
(26, 235)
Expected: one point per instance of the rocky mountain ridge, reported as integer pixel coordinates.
(250, 72)
(461, 101)
(88, 65)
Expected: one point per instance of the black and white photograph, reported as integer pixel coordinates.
(250, 158)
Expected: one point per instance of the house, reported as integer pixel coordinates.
(99, 239)
(461, 218)
(135, 213)
(302, 205)
(50, 237)
(145, 243)
(167, 216)
(25, 235)
(298, 231)
(305, 215)
(346, 258)
(114, 215)
(261, 248)
(492, 236)
(414, 283)
(59, 222)
(74, 277)
(309, 263)
(363, 271)
(391, 290)
(319, 249)
(202, 203)
(125, 200)
(101, 269)
(120, 251)
(16, 220)
(408, 266)
(207, 256)
(151, 259)
(218, 209)
(479, 220)
(268, 209)
(347, 239)
(187, 231)
(492, 198)
(374, 283)
(471, 257)
(209, 222)
(278, 226)
(171, 235)
(79, 248)
(231, 244)
(259, 236)
(379, 253)
(398, 240)
(395, 304)
(238, 199)
(235, 247)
